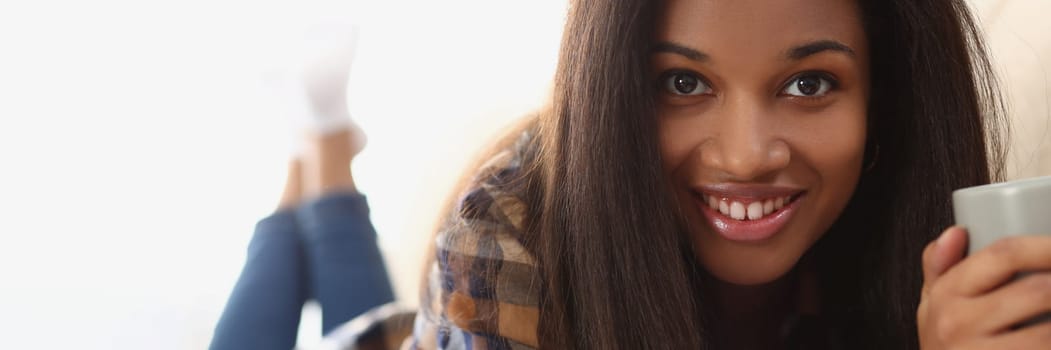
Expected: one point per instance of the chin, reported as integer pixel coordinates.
(749, 264)
(748, 274)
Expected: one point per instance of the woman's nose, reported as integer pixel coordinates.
(745, 144)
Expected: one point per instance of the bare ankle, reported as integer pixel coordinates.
(327, 166)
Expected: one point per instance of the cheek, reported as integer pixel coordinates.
(836, 147)
(680, 133)
(834, 155)
(831, 146)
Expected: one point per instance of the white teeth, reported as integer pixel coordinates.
(755, 210)
(737, 211)
(751, 211)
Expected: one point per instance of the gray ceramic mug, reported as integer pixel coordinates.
(991, 212)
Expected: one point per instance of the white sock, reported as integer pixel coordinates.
(327, 54)
(311, 92)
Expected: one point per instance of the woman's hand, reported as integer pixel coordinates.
(973, 303)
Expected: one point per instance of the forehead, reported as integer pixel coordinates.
(759, 26)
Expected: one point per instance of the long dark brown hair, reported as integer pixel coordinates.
(617, 268)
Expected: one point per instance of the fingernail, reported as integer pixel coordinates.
(945, 233)
(950, 230)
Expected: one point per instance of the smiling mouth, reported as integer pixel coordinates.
(748, 214)
(747, 209)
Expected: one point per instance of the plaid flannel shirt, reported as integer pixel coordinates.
(482, 288)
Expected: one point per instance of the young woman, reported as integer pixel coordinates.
(740, 174)
(743, 174)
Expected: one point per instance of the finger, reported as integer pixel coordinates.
(943, 253)
(997, 264)
(1014, 303)
(1037, 336)
(929, 273)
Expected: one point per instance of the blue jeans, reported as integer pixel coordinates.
(324, 250)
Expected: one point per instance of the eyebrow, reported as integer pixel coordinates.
(795, 53)
(811, 48)
(669, 47)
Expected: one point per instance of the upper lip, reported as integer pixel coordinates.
(746, 191)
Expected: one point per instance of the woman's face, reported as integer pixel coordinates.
(762, 108)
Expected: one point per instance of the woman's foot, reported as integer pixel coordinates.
(312, 94)
(328, 53)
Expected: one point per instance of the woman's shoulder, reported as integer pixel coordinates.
(493, 203)
(483, 284)
(485, 232)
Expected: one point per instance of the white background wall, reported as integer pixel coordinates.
(1019, 36)
(137, 148)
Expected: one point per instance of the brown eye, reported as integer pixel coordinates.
(683, 83)
(809, 85)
